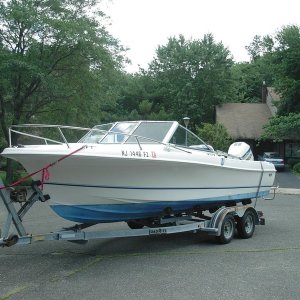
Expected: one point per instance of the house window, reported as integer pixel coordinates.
(292, 150)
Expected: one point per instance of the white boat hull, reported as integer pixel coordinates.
(111, 184)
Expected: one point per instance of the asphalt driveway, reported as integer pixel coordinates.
(287, 180)
(180, 266)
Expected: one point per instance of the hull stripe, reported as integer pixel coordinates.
(154, 188)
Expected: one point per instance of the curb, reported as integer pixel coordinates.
(288, 191)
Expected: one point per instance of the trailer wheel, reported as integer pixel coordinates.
(246, 225)
(227, 230)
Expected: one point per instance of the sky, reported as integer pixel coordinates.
(143, 25)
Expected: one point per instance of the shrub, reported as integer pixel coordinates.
(297, 167)
(3, 177)
(215, 135)
(293, 161)
(16, 176)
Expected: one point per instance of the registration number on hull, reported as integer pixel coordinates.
(147, 154)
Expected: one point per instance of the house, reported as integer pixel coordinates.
(245, 121)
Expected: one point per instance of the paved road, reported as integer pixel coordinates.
(181, 266)
(288, 180)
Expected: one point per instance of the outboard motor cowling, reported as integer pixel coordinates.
(241, 150)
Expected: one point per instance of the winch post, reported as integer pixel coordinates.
(12, 214)
(16, 216)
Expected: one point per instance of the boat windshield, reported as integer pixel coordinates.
(109, 133)
(119, 133)
(96, 134)
(144, 132)
(149, 132)
(128, 132)
(185, 138)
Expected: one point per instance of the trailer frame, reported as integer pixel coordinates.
(221, 223)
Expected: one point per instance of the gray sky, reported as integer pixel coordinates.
(142, 25)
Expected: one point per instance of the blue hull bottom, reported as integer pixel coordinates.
(107, 213)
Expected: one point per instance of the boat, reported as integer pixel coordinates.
(136, 171)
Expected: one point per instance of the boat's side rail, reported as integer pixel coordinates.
(20, 130)
(64, 140)
(59, 128)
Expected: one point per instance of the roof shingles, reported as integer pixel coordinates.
(243, 120)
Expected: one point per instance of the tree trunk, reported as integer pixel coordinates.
(9, 171)
(9, 164)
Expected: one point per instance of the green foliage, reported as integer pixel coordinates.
(278, 60)
(141, 99)
(286, 62)
(296, 168)
(249, 78)
(191, 77)
(16, 176)
(215, 135)
(260, 46)
(57, 63)
(293, 161)
(145, 108)
(3, 177)
(282, 127)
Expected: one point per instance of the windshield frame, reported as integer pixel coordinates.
(202, 146)
(174, 127)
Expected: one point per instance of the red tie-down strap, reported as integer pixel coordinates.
(44, 170)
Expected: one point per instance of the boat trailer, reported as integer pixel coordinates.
(221, 223)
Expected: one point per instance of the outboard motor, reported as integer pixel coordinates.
(241, 150)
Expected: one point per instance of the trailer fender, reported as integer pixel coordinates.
(238, 212)
(218, 218)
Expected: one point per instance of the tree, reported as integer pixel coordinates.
(140, 98)
(280, 57)
(215, 135)
(287, 69)
(260, 46)
(56, 61)
(192, 76)
(282, 127)
(249, 78)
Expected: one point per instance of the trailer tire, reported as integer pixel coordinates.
(227, 230)
(246, 225)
